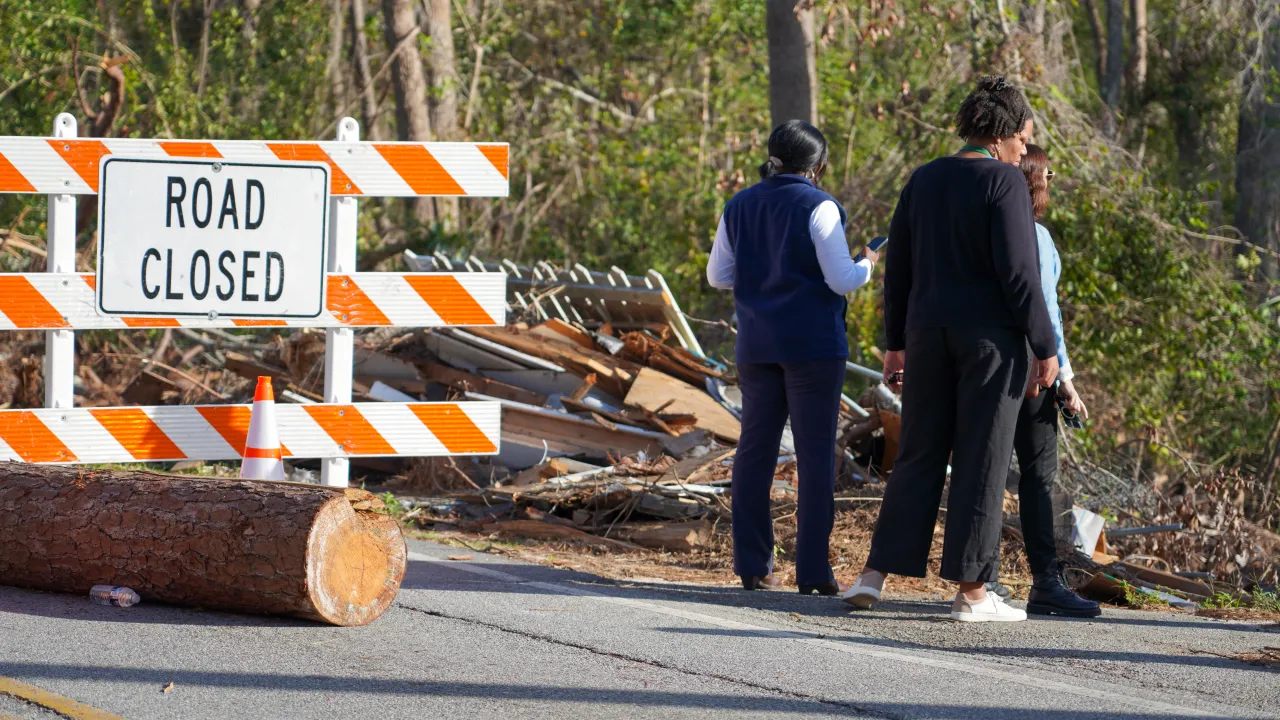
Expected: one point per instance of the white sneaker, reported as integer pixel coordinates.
(990, 609)
(861, 596)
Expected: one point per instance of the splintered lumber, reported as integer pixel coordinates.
(557, 330)
(658, 392)
(678, 537)
(614, 375)
(320, 553)
(465, 382)
(541, 530)
(677, 362)
(1192, 588)
(538, 427)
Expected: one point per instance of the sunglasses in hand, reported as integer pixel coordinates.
(1069, 418)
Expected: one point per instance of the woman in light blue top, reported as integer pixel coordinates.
(1036, 438)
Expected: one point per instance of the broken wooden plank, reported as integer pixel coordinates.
(557, 330)
(615, 375)
(540, 530)
(675, 537)
(465, 382)
(540, 427)
(1163, 579)
(669, 508)
(656, 391)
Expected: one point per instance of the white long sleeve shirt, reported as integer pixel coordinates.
(839, 270)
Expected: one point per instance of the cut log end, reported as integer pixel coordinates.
(355, 563)
(261, 547)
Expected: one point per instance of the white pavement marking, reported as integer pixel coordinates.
(973, 668)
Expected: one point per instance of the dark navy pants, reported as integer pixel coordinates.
(808, 392)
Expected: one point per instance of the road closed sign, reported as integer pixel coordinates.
(208, 238)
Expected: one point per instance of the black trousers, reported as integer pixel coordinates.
(809, 392)
(961, 394)
(1036, 443)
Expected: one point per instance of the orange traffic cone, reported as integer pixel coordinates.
(262, 456)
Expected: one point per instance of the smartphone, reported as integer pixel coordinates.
(874, 246)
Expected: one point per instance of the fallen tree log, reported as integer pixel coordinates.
(261, 547)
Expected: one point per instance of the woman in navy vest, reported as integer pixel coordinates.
(781, 248)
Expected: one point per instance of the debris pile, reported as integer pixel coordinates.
(618, 437)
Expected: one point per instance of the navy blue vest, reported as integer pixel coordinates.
(786, 312)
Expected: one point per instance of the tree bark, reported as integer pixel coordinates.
(793, 71)
(333, 67)
(444, 93)
(1137, 49)
(444, 72)
(250, 27)
(258, 547)
(1115, 65)
(413, 120)
(206, 18)
(360, 46)
(1258, 153)
(1099, 43)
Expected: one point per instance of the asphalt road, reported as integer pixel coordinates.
(490, 638)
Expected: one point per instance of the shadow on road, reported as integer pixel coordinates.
(63, 606)
(1208, 661)
(499, 691)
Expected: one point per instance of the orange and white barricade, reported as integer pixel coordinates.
(62, 301)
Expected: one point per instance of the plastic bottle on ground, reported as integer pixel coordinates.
(113, 595)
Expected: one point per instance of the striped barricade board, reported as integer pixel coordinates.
(52, 301)
(218, 432)
(373, 169)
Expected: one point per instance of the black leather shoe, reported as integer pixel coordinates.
(1049, 596)
(761, 582)
(995, 587)
(828, 589)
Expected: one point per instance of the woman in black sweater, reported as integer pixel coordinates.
(962, 302)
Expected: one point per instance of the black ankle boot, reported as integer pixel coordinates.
(995, 587)
(1049, 596)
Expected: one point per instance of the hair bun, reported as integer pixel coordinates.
(1000, 84)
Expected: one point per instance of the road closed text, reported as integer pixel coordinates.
(203, 237)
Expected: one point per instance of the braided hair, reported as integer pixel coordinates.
(995, 109)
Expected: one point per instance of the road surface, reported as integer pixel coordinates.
(492, 638)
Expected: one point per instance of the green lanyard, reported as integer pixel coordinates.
(979, 150)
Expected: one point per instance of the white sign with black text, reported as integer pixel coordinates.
(208, 238)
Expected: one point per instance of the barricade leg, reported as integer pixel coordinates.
(60, 345)
(339, 343)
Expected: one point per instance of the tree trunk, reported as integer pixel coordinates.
(206, 18)
(444, 93)
(444, 72)
(1099, 44)
(250, 27)
(1137, 50)
(1115, 65)
(368, 100)
(1258, 153)
(793, 71)
(333, 67)
(413, 121)
(274, 548)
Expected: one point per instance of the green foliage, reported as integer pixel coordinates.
(393, 506)
(1265, 601)
(1221, 601)
(631, 122)
(1138, 598)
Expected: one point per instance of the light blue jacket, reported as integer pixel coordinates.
(1050, 272)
